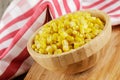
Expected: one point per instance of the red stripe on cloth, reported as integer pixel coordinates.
(77, 3)
(15, 65)
(115, 16)
(19, 18)
(115, 9)
(66, 6)
(2, 50)
(10, 35)
(93, 4)
(108, 4)
(57, 6)
(39, 10)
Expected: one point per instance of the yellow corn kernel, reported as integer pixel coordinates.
(49, 39)
(63, 35)
(82, 35)
(65, 45)
(96, 32)
(72, 24)
(58, 51)
(33, 46)
(88, 36)
(43, 45)
(76, 28)
(54, 46)
(54, 26)
(70, 38)
(88, 30)
(76, 45)
(41, 51)
(36, 50)
(49, 50)
(81, 29)
(55, 37)
(37, 37)
(92, 35)
(66, 23)
(99, 22)
(90, 24)
(69, 31)
(59, 44)
(78, 39)
(71, 47)
(75, 32)
(38, 45)
(36, 42)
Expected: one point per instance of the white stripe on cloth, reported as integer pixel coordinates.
(1, 24)
(14, 14)
(88, 2)
(71, 5)
(33, 2)
(115, 21)
(5, 44)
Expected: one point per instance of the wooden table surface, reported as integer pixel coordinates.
(107, 68)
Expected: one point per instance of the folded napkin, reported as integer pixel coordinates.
(23, 17)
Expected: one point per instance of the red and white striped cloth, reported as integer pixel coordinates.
(23, 17)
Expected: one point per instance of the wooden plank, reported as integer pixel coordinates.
(107, 68)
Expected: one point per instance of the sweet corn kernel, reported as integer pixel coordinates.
(65, 45)
(72, 24)
(58, 51)
(69, 31)
(66, 33)
(41, 51)
(49, 49)
(70, 39)
(33, 46)
(49, 39)
(63, 35)
(54, 47)
(59, 44)
(76, 45)
(54, 37)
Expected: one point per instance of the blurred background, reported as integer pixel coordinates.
(3, 6)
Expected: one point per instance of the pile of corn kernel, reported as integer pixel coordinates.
(66, 33)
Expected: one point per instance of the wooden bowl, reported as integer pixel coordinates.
(79, 59)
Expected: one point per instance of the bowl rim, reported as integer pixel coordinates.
(103, 14)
